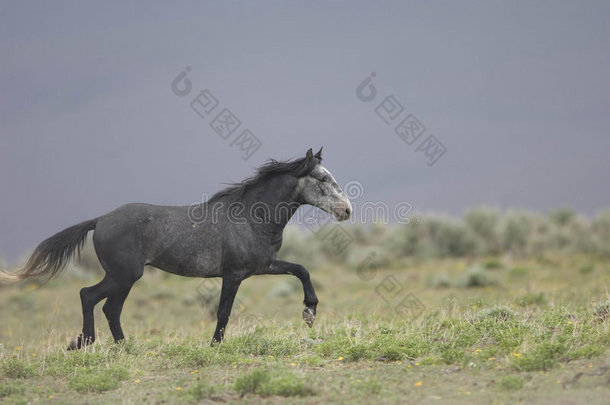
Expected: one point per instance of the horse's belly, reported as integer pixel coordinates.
(189, 262)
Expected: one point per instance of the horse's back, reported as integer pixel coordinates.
(162, 236)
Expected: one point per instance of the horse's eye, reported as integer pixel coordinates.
(324, 179)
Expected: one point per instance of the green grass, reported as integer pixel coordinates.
(521, 337)
(541, 357)
(199, 391)
(14, 367)
(251, 382)
(510, 382)
(93, 379)
(11, 389)
(265, 383)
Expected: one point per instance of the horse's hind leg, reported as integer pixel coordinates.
(112, 309)
(124, 275)
(90, 296)
(120, 256)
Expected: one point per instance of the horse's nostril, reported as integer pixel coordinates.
(347, 211)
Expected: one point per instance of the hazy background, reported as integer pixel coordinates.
(517, 92)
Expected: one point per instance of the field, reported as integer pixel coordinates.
(493, 330)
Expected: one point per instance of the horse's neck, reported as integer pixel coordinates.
(280, 208)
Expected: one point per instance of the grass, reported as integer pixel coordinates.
(199, 391)
(508, 340)
(510, 382)
(92, 379)
(13, 389)
(13, 367)
(265, 383)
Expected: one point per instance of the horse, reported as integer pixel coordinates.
(236, 234)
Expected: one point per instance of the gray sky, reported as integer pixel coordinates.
(518, 93)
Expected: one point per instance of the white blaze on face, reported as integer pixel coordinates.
(321, 190)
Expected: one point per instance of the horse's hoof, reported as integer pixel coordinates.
(78, 342)
(74, 344)
(309, 317)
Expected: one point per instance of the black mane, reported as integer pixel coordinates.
(273, 167)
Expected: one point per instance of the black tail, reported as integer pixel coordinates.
(51, 256)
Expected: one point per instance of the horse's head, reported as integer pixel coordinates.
(319, 188)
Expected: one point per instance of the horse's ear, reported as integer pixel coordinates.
(319, 154)
(308, 157)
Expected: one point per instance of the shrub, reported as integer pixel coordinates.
(451, 355)
(440, 280)
(542, 357)
(515, 232)
(477, 276)
(492, 264)
(358, 351)
(391, 352)
(601, 232)
(531, 299)
(518, 272)
(199, 391)
(498, 313)
(481, 232)
(602, 309)
(449, 238)
(16, 368)
(586, 269)
(589, 351)
(285, 385)
(249, 383)
(483, 223)
(262, 382)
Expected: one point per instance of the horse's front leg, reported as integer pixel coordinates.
(311, 300)
(230, 285)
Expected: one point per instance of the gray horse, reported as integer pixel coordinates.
(234, 235)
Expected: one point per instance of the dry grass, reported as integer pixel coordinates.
(396, 337)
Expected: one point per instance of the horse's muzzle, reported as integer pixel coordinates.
(342, 210)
